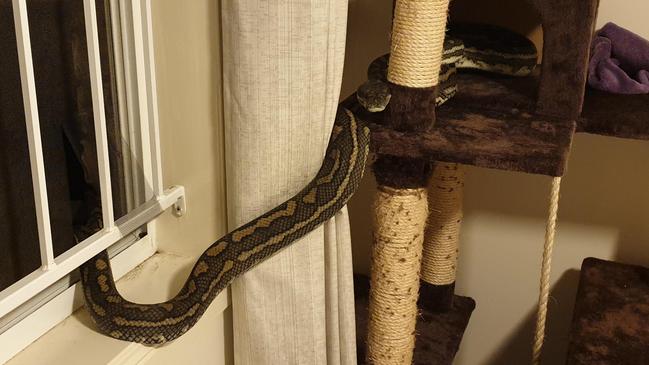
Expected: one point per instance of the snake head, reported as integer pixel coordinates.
(374, 95)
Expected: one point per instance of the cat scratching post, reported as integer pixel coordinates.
(441, 242)
(401, 204)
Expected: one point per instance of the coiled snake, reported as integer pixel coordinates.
(246, 246)
(466, 47)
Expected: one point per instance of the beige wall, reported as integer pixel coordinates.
(188, 69)
(188, 62)
(603, 213)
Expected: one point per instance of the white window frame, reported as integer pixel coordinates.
(36, 303)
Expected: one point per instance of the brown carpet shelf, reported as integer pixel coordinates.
(491, 123)
(622, 116)
(611, 317)
(505, 138)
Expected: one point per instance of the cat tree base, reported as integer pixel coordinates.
(438, 334)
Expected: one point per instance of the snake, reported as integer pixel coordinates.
(242, 248)
(236, 252)
(479, 47)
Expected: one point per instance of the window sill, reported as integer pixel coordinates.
(74, 340)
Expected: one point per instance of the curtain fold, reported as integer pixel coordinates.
(282, 66)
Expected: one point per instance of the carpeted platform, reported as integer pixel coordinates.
(611, 318)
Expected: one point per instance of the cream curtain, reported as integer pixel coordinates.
(282, 66)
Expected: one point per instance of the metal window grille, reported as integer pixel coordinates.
(138, 102)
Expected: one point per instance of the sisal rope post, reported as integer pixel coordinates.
(401, 203)
(400, 218)
(546, 265)
(439, 264)
(418, 31)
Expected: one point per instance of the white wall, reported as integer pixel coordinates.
(603, 213)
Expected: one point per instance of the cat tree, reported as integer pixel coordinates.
(514, 124)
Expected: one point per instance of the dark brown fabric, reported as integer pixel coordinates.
(568, 26)
(487, 139)
(438, 334)
(436, 298)
(513, 140)
(401, 173)
(611, 318)
(625, 116)
(411, 109)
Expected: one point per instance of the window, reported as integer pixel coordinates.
(80, 170)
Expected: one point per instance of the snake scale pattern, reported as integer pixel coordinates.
(484, 48)
(236, 252)
(336, 181)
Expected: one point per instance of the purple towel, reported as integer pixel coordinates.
(619, 61)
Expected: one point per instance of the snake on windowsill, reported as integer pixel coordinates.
(336, 181)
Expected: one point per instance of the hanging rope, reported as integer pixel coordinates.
(550, 232)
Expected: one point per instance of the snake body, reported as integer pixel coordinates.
(236, 252)
(466, 47)
(246, 246)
